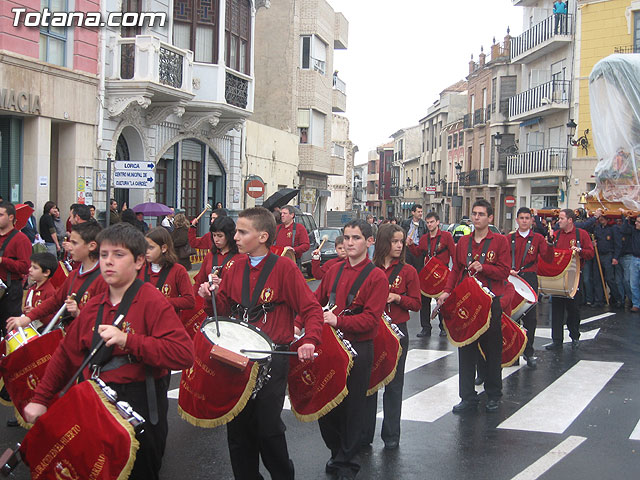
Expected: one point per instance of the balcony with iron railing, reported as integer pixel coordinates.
(627, 49)
(481, 116)
(144, 64)
(537, 163)
(467, 121)
(339, 94)
(544, 37)
(549, 97)
(474, 177)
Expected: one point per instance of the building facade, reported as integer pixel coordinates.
(374, 204)
(360, 188)
(454, 165)
(49, 83)
(406, 149)
(297, 88)
(342, 152)
(385, 167)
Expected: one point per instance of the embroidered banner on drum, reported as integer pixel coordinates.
(212, 393)
(23, 369)
(433, 278)
(561, 261)
(192, 318)
(467, 312)
(386, 353)
(514, 340)
(318, 386)
(81, 436)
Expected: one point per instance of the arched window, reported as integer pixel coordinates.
(195, 28)
(238, 35)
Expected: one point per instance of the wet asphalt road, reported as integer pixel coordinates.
(580, 408)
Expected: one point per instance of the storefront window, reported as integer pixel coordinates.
(11, 158)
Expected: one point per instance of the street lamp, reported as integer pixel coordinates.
(509, 149)
(571, 130)
(432, 174)
(582, 141)
(408, 182)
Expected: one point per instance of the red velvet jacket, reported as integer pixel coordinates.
(15, 259)
(177, 287)
(319, 271)
(207, 264)
(45, 291)
(155, 337)
(284, 238)
(407, 285)
(539, 248)
(446, 247)
(52, 304)
(203, 243)
(285, 287)
(371, 299)
(564, 241)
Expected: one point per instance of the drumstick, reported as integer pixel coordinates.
(324, 239)
(57, 316)
(93, 353)
(206, 207)
(435, 312)
(278, 352)
(22, 334)
(214, 271)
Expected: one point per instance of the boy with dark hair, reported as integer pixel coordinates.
(15, 249)
(318, 270)
(145, 347)
(268, 291)
(84, 281)
(43, 266)
(352, 289)
(485, 255)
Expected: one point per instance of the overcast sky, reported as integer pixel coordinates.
(402, 54)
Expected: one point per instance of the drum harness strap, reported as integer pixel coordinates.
(249, 307)
(394, 274)
(524, 255)
(104, 360)
(13, 233)
(164, 273)
(435, 252)
(354, 288)
(483, 255)
(80, 292)
(214, 262)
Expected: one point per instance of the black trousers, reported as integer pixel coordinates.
(10, 305)
(425, 314)
(154, 438)
(341, 428)
(258, 431)
(530, 319)
(391, 400)
(491, 343)
(560, 305)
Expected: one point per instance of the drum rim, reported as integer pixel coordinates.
(253, 328)
(530, 288)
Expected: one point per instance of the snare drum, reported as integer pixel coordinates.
(19, 337)
(524, 298)
(284, 252)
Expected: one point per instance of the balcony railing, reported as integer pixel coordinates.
(481, 116)
(485, 176)
(466, 121)
(474, 177)
(627, 49)
(236, 90)
(319, 65)
(555, 91)
(537, 161)
(146, 58)
(339, 84)
(395, 191)
(541, 32)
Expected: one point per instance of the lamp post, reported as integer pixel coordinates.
(571, 131)
(458, 197)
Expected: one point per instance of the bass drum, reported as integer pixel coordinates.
(565, 283)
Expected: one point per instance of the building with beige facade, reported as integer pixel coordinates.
(297, 89)
(406, 154)
(373, 202)
(342, 153)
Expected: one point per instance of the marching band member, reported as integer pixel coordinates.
(290, 233)
(43, 266)
(435, 243)
(568, 236)
(318, 271)
(223, 248)
(526, 247)
(404, 295)
(268, 291)
(204, 242)
(150, 339)
(85, 281)
(164, 272)
(485, 255)
(353, 287)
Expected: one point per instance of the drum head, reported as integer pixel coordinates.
(235, 335)
(523, 289)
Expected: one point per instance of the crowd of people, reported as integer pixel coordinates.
(127, 270)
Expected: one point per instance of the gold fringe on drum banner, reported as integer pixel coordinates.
(233, 412)
(385, 345)
(467, 312)
(135, 445)
(312, 399)
(387, 380)
(21, 421)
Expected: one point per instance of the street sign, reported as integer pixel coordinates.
(126, 165)
(133, 179)
(255, 188)
(510, 201)
(431, 190)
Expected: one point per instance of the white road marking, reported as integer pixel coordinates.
(417, 358)
(435, 402)
(577, 387)
(173, 393)
(597, 317)
(635, 435)
(589, 335)
(547, 461)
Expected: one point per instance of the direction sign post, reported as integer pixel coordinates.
(131, 174)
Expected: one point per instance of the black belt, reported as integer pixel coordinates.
(117, 362)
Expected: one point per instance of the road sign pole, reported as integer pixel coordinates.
(107, 216)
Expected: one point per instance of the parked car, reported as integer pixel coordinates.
(328, 250)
